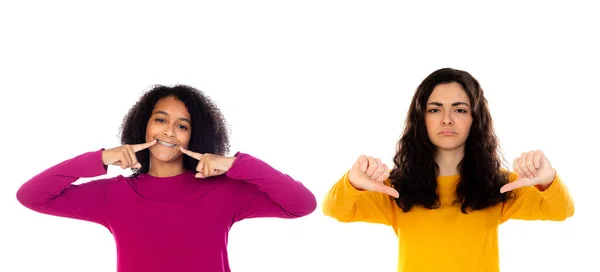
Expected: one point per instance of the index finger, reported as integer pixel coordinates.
(192, 154)
(138, 147)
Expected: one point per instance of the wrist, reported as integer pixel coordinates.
(102, 157)
(358, 188)
(544, 186)
(230, 161)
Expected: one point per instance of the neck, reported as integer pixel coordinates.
(165, 169)
(448, 160)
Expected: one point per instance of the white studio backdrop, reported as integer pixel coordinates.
(307, 86)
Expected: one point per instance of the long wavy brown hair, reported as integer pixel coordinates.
(415, 171)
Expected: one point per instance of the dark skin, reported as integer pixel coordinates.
(167, 136)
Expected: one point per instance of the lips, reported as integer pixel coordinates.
(448, 133)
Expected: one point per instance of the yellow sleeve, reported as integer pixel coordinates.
(347, 204)
(530, 203)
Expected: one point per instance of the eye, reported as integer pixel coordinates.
(433, 110)
(462, 110)
(182, 127)
(160, 120)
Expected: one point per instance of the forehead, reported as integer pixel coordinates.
(172, 106)
(448, 93)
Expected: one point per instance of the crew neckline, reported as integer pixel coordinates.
(148, 176)
(448, 181)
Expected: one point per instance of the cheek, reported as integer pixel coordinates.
(429, 123)
(150, 132)
(153, 130)
(466, 127)
(184, 139)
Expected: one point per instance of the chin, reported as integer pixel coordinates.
(449, 146)
(164, 157)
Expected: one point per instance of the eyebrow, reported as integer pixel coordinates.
(453, 104)
(180, 118)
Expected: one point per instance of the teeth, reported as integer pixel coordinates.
(165, 143)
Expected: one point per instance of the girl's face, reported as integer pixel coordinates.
(170, 124)
(448, 117)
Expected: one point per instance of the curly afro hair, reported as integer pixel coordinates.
(210, 131)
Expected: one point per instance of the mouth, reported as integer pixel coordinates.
(447, 133)
(167, 144)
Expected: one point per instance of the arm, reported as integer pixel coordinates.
(347, 204)
(537, 203)
(268, 192)
(52, 193)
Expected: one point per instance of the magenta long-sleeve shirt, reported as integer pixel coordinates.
(178, 223)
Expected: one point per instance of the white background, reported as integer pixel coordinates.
(307, 86)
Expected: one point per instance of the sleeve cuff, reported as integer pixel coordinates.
(232, 172)
(351, 190)
(103, 169)
(554, 186)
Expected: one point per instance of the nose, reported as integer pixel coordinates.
(169, 133)
(446, 119)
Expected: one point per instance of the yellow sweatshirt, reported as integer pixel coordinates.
(445, 239)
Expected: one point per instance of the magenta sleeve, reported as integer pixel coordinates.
(268, 192)
(52, 192)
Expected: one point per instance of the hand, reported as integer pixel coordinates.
(124, 156)
(209, 164)
(369, 173)
(534, 169)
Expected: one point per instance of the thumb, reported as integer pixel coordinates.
(137, 165)
(513, 185)
(387, 190)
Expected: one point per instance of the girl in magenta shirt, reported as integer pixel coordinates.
(174, 213)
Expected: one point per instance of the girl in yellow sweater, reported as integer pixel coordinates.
(447, 192)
